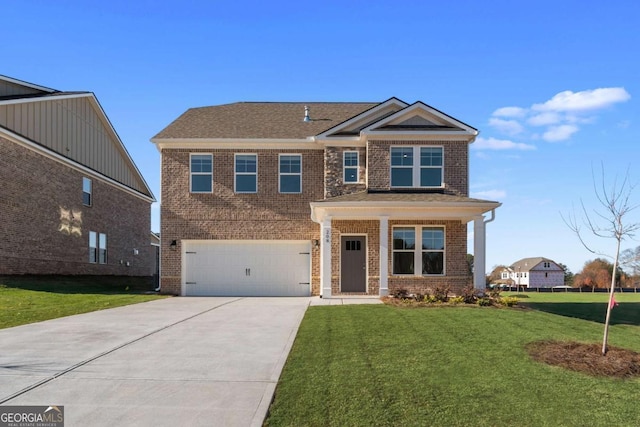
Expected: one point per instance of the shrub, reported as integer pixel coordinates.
(508, 301)
(456, 300)
(441, 294)
(469, 295)
(485, 302)
(400, 293)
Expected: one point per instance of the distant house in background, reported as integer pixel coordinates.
(72, 201)
(536, 272)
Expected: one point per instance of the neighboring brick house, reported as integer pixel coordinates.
(536, 272)
(71, 201)
(317, 198)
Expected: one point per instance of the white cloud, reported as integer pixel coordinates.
(510, 112)
(544, 119)
(586, 100)
(561, 116)
(500, 144)
(510, 127)
(559, 133)
(490, 194)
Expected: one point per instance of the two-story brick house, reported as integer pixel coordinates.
(72, 201)
(317, 198)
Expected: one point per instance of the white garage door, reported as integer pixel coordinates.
(247, 268)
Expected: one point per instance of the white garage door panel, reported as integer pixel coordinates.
(247, 268)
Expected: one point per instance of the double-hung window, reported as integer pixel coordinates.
(418, 250)
(201, 173)
(350, 167)
(97, 248)
(246, 173)
(417, 167)
(432, 250)
(87, 191)
(290, 173)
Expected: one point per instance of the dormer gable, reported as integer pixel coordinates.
(351, 129)
(420, 120)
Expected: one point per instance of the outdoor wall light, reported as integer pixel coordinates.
(316, 243)
(173, 246)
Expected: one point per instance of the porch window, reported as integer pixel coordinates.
(350, 166)
(404, 246)
(419, 250)
(246, 173)
(201, 173)
(432, 250)
(417, 167)
(290, 173)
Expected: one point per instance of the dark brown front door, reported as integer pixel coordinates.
(353, 270)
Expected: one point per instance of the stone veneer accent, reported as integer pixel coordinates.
(333, 174)
(35, 239)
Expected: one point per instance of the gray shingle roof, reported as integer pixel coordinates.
(248, 120)
(527, 264)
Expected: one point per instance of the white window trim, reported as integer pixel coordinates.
(90, 192)
(344, 167)
(93, 249)
(236, 173)
(102, 247)
(416, 166)
(191, 173)
(280, 174)
(417, 251)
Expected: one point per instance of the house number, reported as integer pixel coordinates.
(327, 235)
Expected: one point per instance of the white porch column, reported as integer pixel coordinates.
(325, 258)
(384, 256)
(479, 249)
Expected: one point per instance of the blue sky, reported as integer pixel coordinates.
(552, 86)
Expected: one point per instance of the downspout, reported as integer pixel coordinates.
(493, 216)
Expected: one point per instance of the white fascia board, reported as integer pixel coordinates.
(361, 116)
(419, 135)
(72, 164)
(355, 141)
(421, 107)
(27, 84)
(233, 143)
(464, 212)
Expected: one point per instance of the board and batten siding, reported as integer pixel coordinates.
(73, 128)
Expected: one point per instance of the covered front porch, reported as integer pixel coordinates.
(373, 243)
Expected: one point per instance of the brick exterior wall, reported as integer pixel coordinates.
(456, 271)
(225, 215)
(38, 237)
(334, 176)
(456, 164)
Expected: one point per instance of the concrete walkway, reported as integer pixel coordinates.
(171, 362)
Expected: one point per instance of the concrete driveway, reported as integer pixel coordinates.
(177, 361)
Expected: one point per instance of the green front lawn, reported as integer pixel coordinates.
(443, 366)
(34, 299)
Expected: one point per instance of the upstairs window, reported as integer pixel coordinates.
(290, 173)
(350, 166)
(417, 167)
(246, 173)
(201, 173)
(86, 191)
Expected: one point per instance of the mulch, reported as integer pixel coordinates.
(587, 358)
